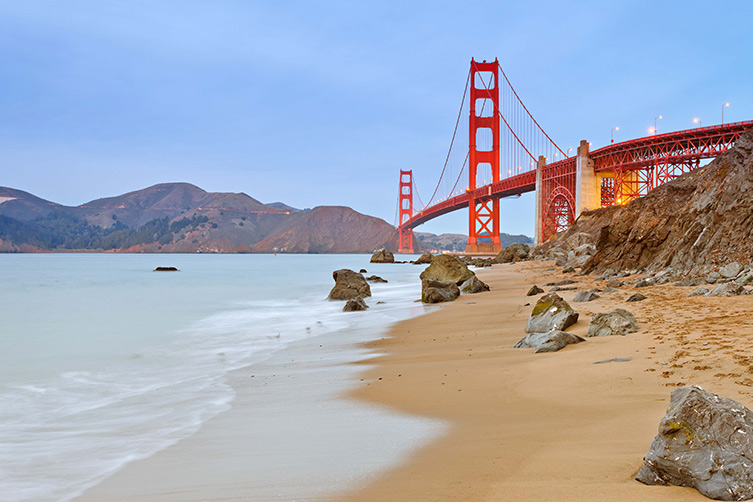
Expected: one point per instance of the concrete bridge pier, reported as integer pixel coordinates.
(587, 182)
(538, 232)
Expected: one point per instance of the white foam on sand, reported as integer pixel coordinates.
(288, 436)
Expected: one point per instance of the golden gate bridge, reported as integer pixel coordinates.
(501, 151)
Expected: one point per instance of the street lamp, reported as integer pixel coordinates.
(725, 105)
(612, 132)
(659, 117)
(697, 121)
(652, 130)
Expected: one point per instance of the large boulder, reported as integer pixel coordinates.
(382, 256)
(348, 285)
(548, 342)
(551, 312)
(512, 253)
(474, 285)
(447, 268)
(424, 259)
(437, 291)
(616, 322)
(704, 442)
(727, 289)
(355, 305)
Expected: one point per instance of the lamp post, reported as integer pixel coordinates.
(612, 132)
(697, 121)
(725, 105)
(655, 118)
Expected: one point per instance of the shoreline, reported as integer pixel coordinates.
(288, 434)
(551, 426)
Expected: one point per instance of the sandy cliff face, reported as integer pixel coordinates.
(694, 224)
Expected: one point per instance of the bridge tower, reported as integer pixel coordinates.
(405, 211)
(483, 141)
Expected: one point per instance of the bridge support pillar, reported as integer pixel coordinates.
(587, 182)
(483, 214)
(405, 210)
(539, 230)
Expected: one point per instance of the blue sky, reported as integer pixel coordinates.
(321, 103)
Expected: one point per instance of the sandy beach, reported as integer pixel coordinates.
(452, 412)
(551, 426)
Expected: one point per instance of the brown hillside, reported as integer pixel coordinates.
(331, 229)
(170, 200)
(694, 224)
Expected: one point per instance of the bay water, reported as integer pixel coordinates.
(104, 361)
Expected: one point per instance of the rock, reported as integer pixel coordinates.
(355, 305)
(568, 270)
(376, 278)
(730, 270)
(513, 253)
(585, 296)
(609, 289)
(535, 290)
(745, 279)
(382, 256)
(166, 269)
(614, 283)
(643, 283)
(447, 268)
(348, 285)
(699, 292)
(616, 322)
(424, 259)
(637, 297)
(704, 442)
(561, 283)
(726, 289)
(551, 312)
(362, 271)
(437, 291)
(548, 342)
(474, 285)
(714, 275)
(558, 288)
(696, 281)
(580, 255)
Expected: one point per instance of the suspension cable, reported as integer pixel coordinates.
(452, 142)
(529, 113)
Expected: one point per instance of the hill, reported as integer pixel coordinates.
(691, 225)
(183, 218)
(330, 229)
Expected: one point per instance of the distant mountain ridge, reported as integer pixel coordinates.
(183, 218)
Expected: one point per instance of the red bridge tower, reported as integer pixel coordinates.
(405, 211)
(483, 141)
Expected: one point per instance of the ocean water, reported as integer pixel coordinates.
(103, 361)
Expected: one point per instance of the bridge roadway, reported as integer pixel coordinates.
(679, 147)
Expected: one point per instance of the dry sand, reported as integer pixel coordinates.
(552, 426)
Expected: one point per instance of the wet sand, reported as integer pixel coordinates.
(552, 426)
